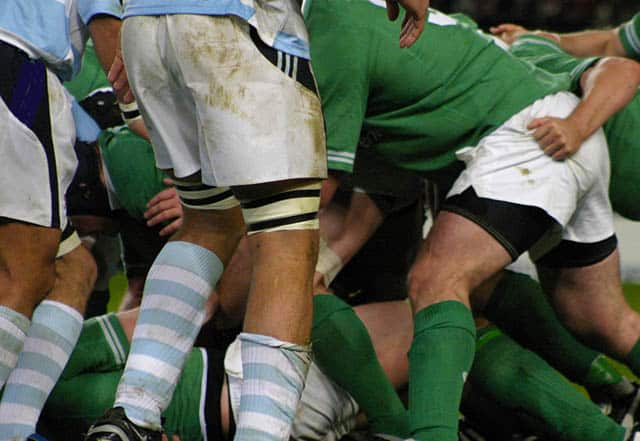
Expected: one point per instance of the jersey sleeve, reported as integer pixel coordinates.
(629, 34)
(342, 75)
(87, 9)
(548, 55)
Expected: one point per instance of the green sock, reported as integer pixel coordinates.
(343, 349)
(102, 346)
(604, 382)
(520, 308)
(440, 357)
(633, 359)
(520, 380)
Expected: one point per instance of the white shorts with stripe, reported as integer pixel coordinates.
(509, 165)
(33, 176)
(213, 103)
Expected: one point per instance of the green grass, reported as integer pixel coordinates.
(117, 288)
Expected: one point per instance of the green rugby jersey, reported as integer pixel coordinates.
(629, 33)
(621, 129)
(90, 78)
(447, 91)
(131, 167)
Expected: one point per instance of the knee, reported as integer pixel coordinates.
(24, 288)
(434, 285)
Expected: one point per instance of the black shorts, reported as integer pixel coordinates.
(518, 227)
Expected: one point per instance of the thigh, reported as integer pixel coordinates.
(457, 256)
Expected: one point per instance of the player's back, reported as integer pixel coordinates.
(444, 93)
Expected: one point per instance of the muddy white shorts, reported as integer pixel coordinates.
(216, 100)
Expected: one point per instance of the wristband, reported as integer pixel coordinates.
(129, 112)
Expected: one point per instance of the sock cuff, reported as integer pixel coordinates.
(21, 321)
(326, 305)
(59, 317)
(447, 314)
(266, 340)
(192, 258)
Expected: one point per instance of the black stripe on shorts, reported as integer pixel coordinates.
(294, 67)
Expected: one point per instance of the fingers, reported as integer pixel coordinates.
(117, 76)
(411, 31)
(393, 10)
(163, 211)
(552, 138)
(505, 27)
(166, 194)
(171, 228)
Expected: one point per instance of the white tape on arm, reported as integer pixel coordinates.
(329, 263)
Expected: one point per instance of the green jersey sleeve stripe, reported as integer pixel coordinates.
(112, 339)
(629, 35)
(348, 155)
(534, 39)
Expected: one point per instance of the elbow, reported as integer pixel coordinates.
(625, 68)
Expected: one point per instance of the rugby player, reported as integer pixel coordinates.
(465, 103)
(229, 100)
(43, 297)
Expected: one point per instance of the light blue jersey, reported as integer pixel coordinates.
(53, 30)
(280, 25)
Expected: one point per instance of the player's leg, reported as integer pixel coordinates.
(55, 327)
(519, 307)
(344, 350)
(457, 256)
(178, 285)
(187, 269)
(282, 227)
(519, 380)
(589, 300)
(27, 273)
(88, 384)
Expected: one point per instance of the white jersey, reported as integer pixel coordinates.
(325, 412)
(52, 30)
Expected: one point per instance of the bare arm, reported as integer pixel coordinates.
(604, 43)
(361, 220)
(607, 88)
(593, 43)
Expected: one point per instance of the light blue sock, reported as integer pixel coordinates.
(178, 284)
(13, 330)
(54, 330)
(273, 374)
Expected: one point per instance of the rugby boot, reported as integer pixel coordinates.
(115, 426)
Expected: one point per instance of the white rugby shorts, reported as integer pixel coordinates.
(213, 103)
(509, 165)
(37, 162)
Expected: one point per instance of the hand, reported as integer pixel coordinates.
(117, 76)
(508, 32)
(558, 138)
(414, 19)
(165, 206)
